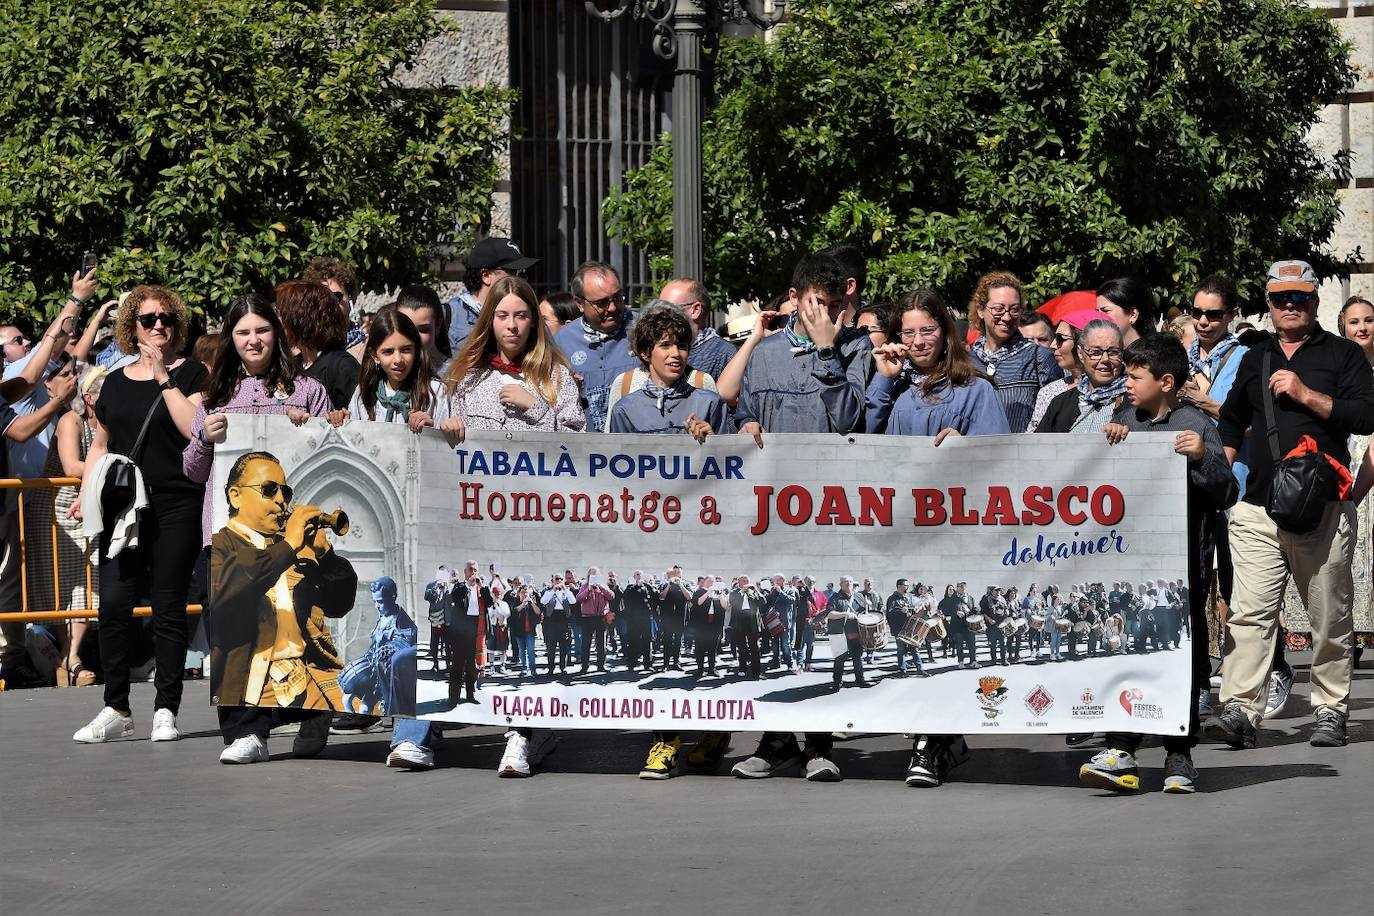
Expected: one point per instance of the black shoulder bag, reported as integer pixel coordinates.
(1301, 485)
(118, 489)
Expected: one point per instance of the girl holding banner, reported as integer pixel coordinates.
(927, 385)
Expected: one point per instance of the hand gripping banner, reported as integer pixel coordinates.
(863, 583)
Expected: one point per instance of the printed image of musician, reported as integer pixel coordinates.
(274, 579)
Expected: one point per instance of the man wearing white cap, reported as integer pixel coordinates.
(1298, 386)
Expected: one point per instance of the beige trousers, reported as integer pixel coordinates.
(1320, 564)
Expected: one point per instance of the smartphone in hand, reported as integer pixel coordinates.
(88, 262)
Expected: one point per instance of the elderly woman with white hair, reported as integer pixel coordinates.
(1101, 390)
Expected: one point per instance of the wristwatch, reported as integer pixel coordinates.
(167, 385)
(826, 352)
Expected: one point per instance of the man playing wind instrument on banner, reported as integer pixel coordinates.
(274, 578)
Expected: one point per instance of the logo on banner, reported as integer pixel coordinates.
(1087, 706)
(1039, 700)
(991, 695)
(1131, 701)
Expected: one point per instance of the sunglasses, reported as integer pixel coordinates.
(152, 318)
(1209, 314)
(606, 302)
(19, 339)
(1061, 339)
(271, 488)
(1292, 299)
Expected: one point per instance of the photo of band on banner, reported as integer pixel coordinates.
(859, 583)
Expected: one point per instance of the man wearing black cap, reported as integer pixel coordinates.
(490, 260)
(1318, 386)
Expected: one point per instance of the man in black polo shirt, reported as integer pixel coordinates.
(1323, 388)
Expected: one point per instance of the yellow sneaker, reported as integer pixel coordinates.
(662, 760)
(706, 754)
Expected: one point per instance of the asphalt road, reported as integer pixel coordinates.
(144, 829)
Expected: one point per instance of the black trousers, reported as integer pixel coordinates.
(462, 661)
(671, 633)
(639, 646)
(169, 538)
(556, 644)
(593, 628)
(854, 654)
(237, 722)
(706, 643)
(747, 647)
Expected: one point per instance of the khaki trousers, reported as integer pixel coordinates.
(1320, 564)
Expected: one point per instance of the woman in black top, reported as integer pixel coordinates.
(152, 324)
(317, 329)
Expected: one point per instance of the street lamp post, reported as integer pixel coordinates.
(679, 30)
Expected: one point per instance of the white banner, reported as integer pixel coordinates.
(1067, 518)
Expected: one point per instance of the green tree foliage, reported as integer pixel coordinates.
(216, 145)
(1067, 140)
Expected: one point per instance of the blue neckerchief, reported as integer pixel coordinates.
(800, 345)
(1088, 396)
(396, 403)
(991, 360)
(704, 335)
(1212, 363)
(661, 396)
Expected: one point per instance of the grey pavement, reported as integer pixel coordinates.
(139, 828)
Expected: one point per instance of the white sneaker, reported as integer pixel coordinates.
(106, 726)
(515, 762)
(165, 726)
(410, 756)
(248, 749)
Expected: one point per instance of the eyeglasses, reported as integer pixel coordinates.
(1061, 339)
(270, 489)
(1289, 299)
(997, 311)
(601, 305)
(1209, 314)
(1096, 353)
(913, 333)
(152, 318)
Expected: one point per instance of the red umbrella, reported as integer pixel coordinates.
(1081, 300)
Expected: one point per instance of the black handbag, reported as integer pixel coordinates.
(117, 491)
(1301, 485)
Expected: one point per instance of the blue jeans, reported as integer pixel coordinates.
(806, 642)
(417, 731)
(902, 650)
(1055, 639)
(576, 624)
(524, 651)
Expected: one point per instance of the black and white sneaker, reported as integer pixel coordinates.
(923, 771)
(1234, 728)
(354, 724)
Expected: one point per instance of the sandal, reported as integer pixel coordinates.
(79, 676)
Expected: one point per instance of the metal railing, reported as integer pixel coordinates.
(27, 614)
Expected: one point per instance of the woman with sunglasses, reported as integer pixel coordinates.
(253, 374)
(1089, 405)
(1064, 346)
(164, 389)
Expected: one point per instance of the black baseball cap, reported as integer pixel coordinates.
(495, 252)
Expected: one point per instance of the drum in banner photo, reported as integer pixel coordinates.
(976, 623)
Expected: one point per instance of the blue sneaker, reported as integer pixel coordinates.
(1280, 689)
